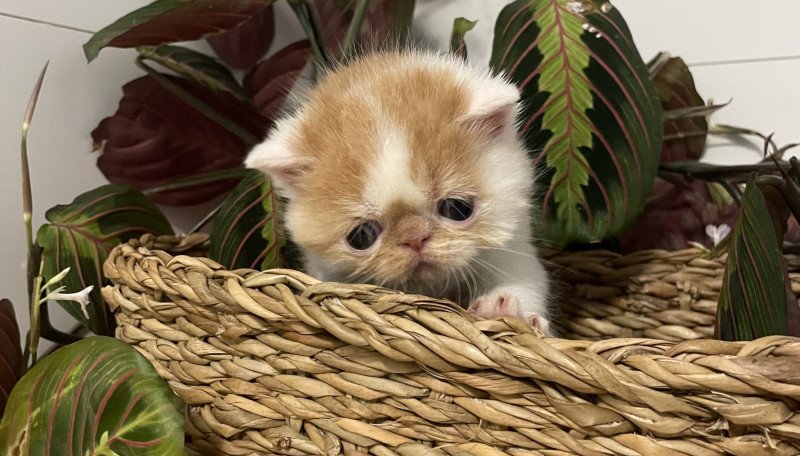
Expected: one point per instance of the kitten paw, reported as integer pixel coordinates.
(514, 301)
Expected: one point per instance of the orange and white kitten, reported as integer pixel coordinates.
(404, 169)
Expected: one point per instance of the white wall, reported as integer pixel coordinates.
(744, 50)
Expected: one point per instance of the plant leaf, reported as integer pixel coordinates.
(195, 66)
(676, 90)
(590, 114)
(269, 82)
(460, 28)
(242, 46)
(385, 20)
(754, 297)
(246, 231)
(98, 396)
(155, 138)
(10, 351)
(81, 234)
(169, 21)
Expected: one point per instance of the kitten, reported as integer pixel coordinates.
(404, 169)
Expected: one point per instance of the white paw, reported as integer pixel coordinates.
(514, 301)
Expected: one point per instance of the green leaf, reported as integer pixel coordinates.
(169, 21)
(246, 231)
(196, 66)
(460, 28)
(754, 296)
(81, 234)
(590, 117)
(98, 396)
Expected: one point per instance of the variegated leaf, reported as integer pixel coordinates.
(590, 118)
(98, 396)
(246, 231)
(756, 299)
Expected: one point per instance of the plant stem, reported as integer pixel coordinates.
(707, 171)
(198, 104)
(354, 28)
(307, 21)
(207, 218)
(205, 178)
(33, 334)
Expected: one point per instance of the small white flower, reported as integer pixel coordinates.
(718, 232)
(57, 278)
(81, 297)
(576, 7)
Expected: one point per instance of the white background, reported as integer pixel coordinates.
(746, 51)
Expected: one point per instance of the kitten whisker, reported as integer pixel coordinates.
(492, 269)
(503, 249)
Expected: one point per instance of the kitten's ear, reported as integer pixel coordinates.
(276, 157)
(493, 107)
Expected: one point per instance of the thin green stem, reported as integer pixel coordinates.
(198, 104)
(207, 218)
(354, 28)
(206, 178)
(309, 25)
(35, 311)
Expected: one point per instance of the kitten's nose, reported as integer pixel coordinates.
(417, 243)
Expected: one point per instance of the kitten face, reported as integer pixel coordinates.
(399, 170)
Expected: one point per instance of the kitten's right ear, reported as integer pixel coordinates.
(276, 158)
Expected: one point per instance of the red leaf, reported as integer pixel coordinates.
(676, 90)
(243, 46)
(168, 21)
(155, 138)
(10, 352)
(676, 215)
(270, 81)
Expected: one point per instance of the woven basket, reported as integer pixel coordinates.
(277, 362)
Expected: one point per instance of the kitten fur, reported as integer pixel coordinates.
(385, 138)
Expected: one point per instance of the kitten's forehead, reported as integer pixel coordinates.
(385, 129)
(389, 177)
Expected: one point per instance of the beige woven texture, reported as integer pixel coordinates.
(277, 362)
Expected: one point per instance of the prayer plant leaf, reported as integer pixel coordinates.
(684, 137)
(79, 235)
(755, 298)
(590, 113)
(195, 66)
(169, 21)
(270, 82)
(98, 396)
(246, 231)
(10, 351)
(155, 138)
(242, 46)
(460, 28)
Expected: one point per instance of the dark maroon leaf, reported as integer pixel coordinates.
(684, 138)
(155, 138)
(270, 81)
(243, 46)
(676, 215)
(169, 21)
(10, 351)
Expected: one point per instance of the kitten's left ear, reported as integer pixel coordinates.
(276, 157)
(493, 106)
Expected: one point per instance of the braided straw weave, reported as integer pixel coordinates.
(276, 362)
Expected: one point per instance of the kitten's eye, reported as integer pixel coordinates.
(364, 235)
(458, 209)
